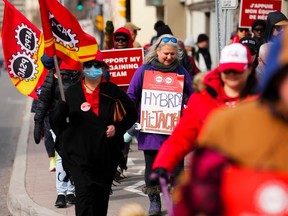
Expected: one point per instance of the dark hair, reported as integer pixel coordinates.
(251, 84)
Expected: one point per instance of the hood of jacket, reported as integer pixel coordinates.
(213, 80)
(272, 19)
(277, 59)
(126, 32)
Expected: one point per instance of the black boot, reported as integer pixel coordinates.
(154, 197)
(155, 205)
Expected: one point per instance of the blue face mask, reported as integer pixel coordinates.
(92, 73)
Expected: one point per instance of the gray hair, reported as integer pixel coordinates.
(152, 52)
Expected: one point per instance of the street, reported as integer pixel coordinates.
(11, 113)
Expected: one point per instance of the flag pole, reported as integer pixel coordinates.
(60, 83)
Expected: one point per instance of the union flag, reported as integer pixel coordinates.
(23, 46)
(64, 36)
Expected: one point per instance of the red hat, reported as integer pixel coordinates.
(99, 56)
(235, 57)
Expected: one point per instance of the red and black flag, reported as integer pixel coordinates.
(23, 46)
(64, 36)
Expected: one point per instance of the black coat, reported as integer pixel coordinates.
(85, 145)
(50, 92)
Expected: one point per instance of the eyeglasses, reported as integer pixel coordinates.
(123, 39)
(243, 29)
(278, 28)
(92, 63)
(264, 63)
(259, 29)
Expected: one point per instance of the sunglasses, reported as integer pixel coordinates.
(92, 63)
(122, 39)
(243, 29)
(258, 29)
(167, 39)
(278, 28)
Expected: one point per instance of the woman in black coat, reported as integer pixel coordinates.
(94, 140)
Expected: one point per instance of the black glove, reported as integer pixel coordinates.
(38, 132)
(109, 28)
(158, 172)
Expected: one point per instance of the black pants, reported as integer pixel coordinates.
(91, 199)
(149, 156)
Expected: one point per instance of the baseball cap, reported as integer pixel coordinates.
(250, 43)
(131, 26)
(234, 56)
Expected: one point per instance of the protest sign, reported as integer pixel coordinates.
(123, 63)
(251, 10)
(161, 101)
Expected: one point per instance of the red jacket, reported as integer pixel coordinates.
(184, 136)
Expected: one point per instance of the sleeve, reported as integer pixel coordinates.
(181, 141)
(185, 62)
(59, 117)
(135, 88)
(45, 98)
(188, 90)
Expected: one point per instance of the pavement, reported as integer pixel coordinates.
(32, 190)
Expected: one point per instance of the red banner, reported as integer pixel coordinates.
(23, 47)
(251, 10)
(123, 63)
(64, 35)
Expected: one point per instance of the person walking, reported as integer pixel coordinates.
(241, 165)
(164, 56)
(122, 39)
(202, 56)
(276, 21)
(92, 138)
(48, 98)
(227, 85)
(47, 134)
(258, 29)
(134, 32)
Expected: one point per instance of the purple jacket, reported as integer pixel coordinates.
(149, 141)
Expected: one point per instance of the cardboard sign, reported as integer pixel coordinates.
(161, 101)
(123, 63)
(251, 10)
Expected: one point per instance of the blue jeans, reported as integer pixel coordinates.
(62, 187)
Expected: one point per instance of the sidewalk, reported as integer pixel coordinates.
(32, 189)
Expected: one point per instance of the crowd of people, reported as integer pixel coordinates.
(233, 118)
